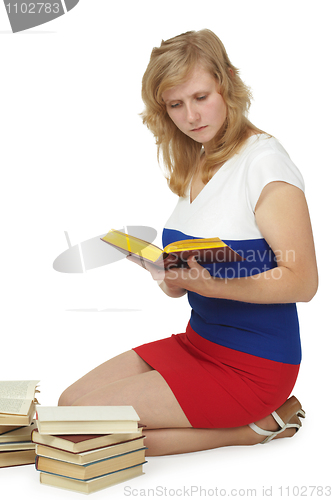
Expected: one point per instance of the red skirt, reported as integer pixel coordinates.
(218, 387)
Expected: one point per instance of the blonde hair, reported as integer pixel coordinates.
(171, 64)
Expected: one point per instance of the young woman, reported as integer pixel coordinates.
(226, 381)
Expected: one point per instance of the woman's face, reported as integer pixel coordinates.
(196, 107)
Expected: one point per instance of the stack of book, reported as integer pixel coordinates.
(87, 448)
(17, 409)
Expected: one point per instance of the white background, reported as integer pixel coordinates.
(75, 157)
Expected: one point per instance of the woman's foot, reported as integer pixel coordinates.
(284, 422)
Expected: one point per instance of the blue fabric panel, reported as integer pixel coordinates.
(269, 331)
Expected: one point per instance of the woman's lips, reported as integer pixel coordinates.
(198, 129)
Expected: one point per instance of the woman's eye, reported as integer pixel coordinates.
(174, 105)
(201, 98)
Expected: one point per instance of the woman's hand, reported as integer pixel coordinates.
(158, 274)
(195, 279)
(178, 280)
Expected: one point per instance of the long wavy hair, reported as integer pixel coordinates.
(171, 64)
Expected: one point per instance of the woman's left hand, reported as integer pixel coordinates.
(195, 279)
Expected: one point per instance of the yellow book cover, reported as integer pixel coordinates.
(206, 250)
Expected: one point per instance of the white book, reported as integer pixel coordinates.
(57, 420)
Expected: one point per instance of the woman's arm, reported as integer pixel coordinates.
(283, 219)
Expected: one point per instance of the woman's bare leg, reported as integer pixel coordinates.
(123, 366)
(128, 380)
(148, 393)
(175, 441)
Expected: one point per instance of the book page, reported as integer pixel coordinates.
(16, 396)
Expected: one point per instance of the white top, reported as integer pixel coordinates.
(225, 206)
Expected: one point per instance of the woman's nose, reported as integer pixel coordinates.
(191, 113)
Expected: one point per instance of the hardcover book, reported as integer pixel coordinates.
(90, 456)
(206, 250)
(91, 470)
(79, 443)
(91, 485)
(87, 419)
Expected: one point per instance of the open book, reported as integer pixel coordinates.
(206, 251)
(17, 402)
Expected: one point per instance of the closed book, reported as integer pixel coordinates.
(22, 457)
(24, 445)
(90, 456)
(91, 485)
(19, 434)
(8, 428)
(78, 443)
(91, 470)
(87, 419)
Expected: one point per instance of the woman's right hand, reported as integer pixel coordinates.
(158, 274)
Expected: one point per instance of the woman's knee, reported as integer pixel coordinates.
(68, 397)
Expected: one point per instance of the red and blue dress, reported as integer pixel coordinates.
(237, 361)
